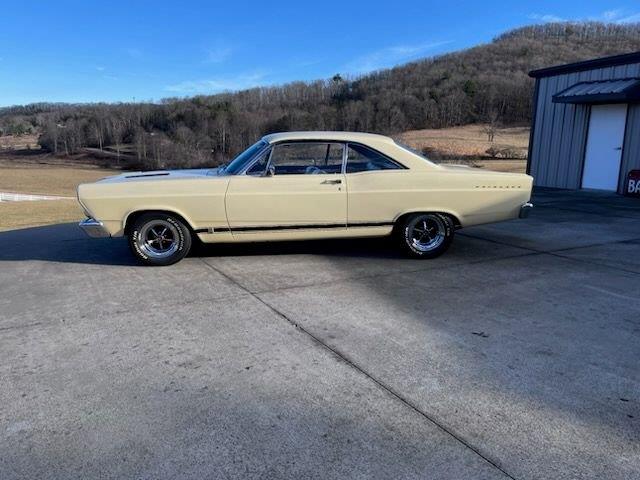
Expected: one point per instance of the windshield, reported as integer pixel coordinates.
(242, 160)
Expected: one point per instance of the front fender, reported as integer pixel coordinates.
(122, 229)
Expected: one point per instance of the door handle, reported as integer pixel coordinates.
(618, 148)
(331, 182)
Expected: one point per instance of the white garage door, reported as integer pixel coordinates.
(604, 147)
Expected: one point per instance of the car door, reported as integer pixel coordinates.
(376, 186)
(294, 186)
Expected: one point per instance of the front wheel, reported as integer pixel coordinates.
(159, 239)
(425, 235)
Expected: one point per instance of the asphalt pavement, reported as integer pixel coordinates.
(514, 355)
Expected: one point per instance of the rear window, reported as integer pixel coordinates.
(364, 159)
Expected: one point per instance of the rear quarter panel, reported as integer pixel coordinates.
(472, 197)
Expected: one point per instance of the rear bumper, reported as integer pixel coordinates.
(525, 210)
(94, 228)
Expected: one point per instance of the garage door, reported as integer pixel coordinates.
(604, 147)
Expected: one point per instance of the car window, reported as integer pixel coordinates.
(364, 159)
(241, 161)
(413, 151)
(259, 167)
(307, 158)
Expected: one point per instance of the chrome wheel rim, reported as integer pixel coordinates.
(426, 232)
(158, 239)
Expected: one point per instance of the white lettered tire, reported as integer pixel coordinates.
(159, 239)
(425, 235)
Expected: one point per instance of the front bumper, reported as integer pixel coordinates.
(94, 228)
(525, 210)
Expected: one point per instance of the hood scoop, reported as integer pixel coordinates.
(150, 174)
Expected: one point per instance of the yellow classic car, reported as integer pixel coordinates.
(303, 185)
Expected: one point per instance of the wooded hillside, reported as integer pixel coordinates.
(487, 83)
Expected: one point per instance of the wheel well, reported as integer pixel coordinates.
(401, 218)
(133, 216)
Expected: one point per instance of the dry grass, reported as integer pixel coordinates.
(51, 180)
(14, 215)
(470, 144)
(37, 178)
(511, 166)
(21, 142)
(467, 141)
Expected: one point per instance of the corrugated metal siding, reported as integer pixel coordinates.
(631, 150)
(559, 138)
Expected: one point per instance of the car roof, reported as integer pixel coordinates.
(359, 137)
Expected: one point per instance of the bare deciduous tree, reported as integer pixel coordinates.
(486, 84)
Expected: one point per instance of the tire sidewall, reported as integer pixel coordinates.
(184, 240)
(439, 250)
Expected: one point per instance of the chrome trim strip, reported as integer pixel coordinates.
(272, 228)
(93, 228)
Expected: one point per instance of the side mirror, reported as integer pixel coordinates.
(270, 171)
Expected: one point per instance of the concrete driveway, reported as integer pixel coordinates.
(515, 355)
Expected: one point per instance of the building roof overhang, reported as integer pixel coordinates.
(625, 90)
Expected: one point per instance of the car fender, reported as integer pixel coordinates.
(156, 208)
(457, 218)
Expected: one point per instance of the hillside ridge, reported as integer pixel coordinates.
(487, 83)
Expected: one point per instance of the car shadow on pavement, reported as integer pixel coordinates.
(65, 243)
(351, 247)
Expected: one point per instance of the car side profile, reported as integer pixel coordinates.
(299, 186)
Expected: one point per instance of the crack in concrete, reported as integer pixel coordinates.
(19, 327)
(344, 358)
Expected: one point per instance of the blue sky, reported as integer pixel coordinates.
(81, 51)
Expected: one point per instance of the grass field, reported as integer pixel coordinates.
(48, 180)
(35, 174)
(15, 215)
(469, 144)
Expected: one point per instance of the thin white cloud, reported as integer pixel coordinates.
(390, 56)
(615, 15)
(546, 17)
(100, 68)
(611, 15)
(218, 54)
(217, 85)
(632, 18)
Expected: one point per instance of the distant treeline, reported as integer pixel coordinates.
(487, 83)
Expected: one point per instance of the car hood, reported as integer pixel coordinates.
(160, 175)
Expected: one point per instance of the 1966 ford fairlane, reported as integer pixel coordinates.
(303, 185)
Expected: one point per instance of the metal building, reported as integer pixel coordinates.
(586, 124)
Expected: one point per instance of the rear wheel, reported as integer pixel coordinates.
(159, 239)
(425, 235)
